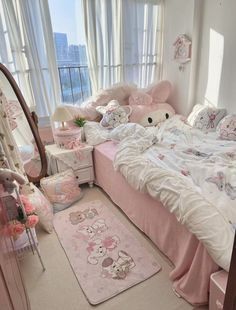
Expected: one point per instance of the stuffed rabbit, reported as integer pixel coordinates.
(7, 178)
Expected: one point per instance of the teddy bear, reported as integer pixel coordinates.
(150, 108)
(117, 269)
(99, 247)
(80, 216)
(7, 178)
(89, 231)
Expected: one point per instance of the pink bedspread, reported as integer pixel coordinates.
(192, 264)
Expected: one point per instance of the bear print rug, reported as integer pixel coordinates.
(103, 254)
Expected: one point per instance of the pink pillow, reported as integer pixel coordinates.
(62, 189)
(43, 209)
(139, 97)
(226, 129)
(160, 92)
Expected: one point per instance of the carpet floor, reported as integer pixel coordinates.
(57, 288)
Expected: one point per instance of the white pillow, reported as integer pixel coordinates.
(206, 118)
(95, 133)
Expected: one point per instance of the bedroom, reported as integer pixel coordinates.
(169, 188)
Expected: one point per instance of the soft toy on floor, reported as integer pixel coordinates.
(150, 108)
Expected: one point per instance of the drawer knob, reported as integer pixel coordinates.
(77, 177)
(219, 305)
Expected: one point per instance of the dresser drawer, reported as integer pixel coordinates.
(86, 160)
(218, 284)
(85, 175)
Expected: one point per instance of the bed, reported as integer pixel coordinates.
(192, 265)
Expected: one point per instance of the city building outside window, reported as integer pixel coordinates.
(70, 47)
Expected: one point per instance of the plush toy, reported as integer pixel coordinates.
(114, 114)
(7, 178)
(149, 108)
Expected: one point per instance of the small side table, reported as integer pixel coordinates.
(80, 160)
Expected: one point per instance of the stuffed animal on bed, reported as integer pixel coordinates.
(150, 108)
(114, 114)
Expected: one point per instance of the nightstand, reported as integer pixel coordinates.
(80, 160)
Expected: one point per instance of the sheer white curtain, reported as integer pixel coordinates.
(12, 53)
(103, 32)
(123, 41)
(29, 29)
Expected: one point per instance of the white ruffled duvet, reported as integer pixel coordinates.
(193, 174)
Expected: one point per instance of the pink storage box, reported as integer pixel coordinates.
(68, 139)
(217, 290)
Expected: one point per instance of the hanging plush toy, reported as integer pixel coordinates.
(7, 178)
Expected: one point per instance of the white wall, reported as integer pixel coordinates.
(217, 83)
(178, 19)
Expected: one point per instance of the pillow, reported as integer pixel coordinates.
(43, 209)
(85, 110)
(119, 92)
(95, 133)
(226, 129)
(61, 189)
(114, 114)
(206, 118)
(139, 97)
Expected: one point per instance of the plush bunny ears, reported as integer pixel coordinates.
(158, 93)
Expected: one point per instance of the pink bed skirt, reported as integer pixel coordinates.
(192, 264)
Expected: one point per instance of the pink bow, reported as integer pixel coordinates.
(74, 144)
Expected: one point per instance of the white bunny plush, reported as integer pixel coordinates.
(7, 178)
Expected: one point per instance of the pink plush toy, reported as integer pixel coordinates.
(149, 108)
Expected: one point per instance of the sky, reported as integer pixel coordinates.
(66, 16)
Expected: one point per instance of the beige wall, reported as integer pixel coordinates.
(217, 65)
(211, 74)
(178, 19)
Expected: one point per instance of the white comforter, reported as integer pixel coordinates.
(193, 174)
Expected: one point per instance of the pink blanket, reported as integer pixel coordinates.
(192, 264)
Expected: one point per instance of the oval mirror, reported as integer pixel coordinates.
(24, 128)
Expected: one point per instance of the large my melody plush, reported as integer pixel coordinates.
(150, 108)
(114, 114)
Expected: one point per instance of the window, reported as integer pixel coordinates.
(69, 41)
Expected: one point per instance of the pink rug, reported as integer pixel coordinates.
(103, 253)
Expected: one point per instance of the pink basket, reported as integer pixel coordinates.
(67, 139)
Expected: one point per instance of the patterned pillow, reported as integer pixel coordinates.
(206, 118)
(114, 114)
(227, 128)
(43, 209)
(61, 189)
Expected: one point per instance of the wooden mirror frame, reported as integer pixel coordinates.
(31, 122)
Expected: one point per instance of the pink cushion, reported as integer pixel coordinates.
(87, 111)
(119, 92)
(43, 209)
(227, 128)
(139, 97)
(62, 189)
(160, 92)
